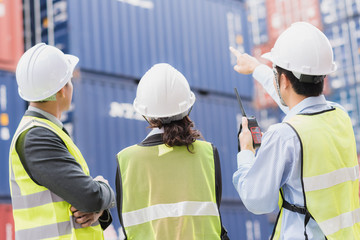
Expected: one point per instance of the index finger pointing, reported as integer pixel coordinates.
(235, 52)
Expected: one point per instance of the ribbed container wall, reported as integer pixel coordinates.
(103, 122)
(46, 21)
(127, 37)
(342, 27)
(281, 14)
(12, 107)
(11, 34)
(257, 18)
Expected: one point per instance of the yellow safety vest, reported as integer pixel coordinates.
(330, 173)
(38, 212)
(169, 193)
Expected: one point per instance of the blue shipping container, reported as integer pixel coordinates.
(12, 107)
(338, 35)
(123, 37)
(352, 8)
(257, 18)
(332, 11)
(104, 122)
(354, 31)
(46, 21)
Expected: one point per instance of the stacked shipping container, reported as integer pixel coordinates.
(11, 106)
(342, 25)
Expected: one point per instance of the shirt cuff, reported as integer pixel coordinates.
(245, 157)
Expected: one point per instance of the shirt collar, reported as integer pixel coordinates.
(49, 116)
(304, 105)
(155, 131)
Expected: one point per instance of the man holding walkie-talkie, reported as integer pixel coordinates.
(310, 158)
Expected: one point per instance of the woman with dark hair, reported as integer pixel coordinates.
(169, 185)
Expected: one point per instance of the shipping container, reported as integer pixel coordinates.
(46, 21)
(126, 38)
(338, 35)
(332, 11)
(354, 35)
(257, 18)
(12, 107)
(103, 122)
(352, 8)
(11, 32)
(7, 227)
(282, 13)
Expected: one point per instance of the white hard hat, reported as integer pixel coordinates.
(303, 49)
(42, 71)
(163, 92)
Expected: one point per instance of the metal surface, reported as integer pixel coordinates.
(46, 21)
(334, 11)
(127, 37)
(11, 34)
(7, 227)
(257, 18)
(12, 107)
(281, 14)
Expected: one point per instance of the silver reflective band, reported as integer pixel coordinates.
(33, 200)
(50, 231)
(47, 231)
(344, 220)
(331, 179)
(188, 208)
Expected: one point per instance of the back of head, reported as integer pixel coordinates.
(305, 51)
(42, 71)
(164, 97)
(163, 92)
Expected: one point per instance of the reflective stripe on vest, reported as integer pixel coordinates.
(38, 212)
(330, 172)
(331, 179)
(164, 188)
(170, 210)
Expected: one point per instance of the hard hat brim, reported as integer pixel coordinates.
(268, 56)
(73, 60)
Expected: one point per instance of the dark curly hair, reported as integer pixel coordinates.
(178, 133)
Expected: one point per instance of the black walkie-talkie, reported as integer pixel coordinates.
(252, 125)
